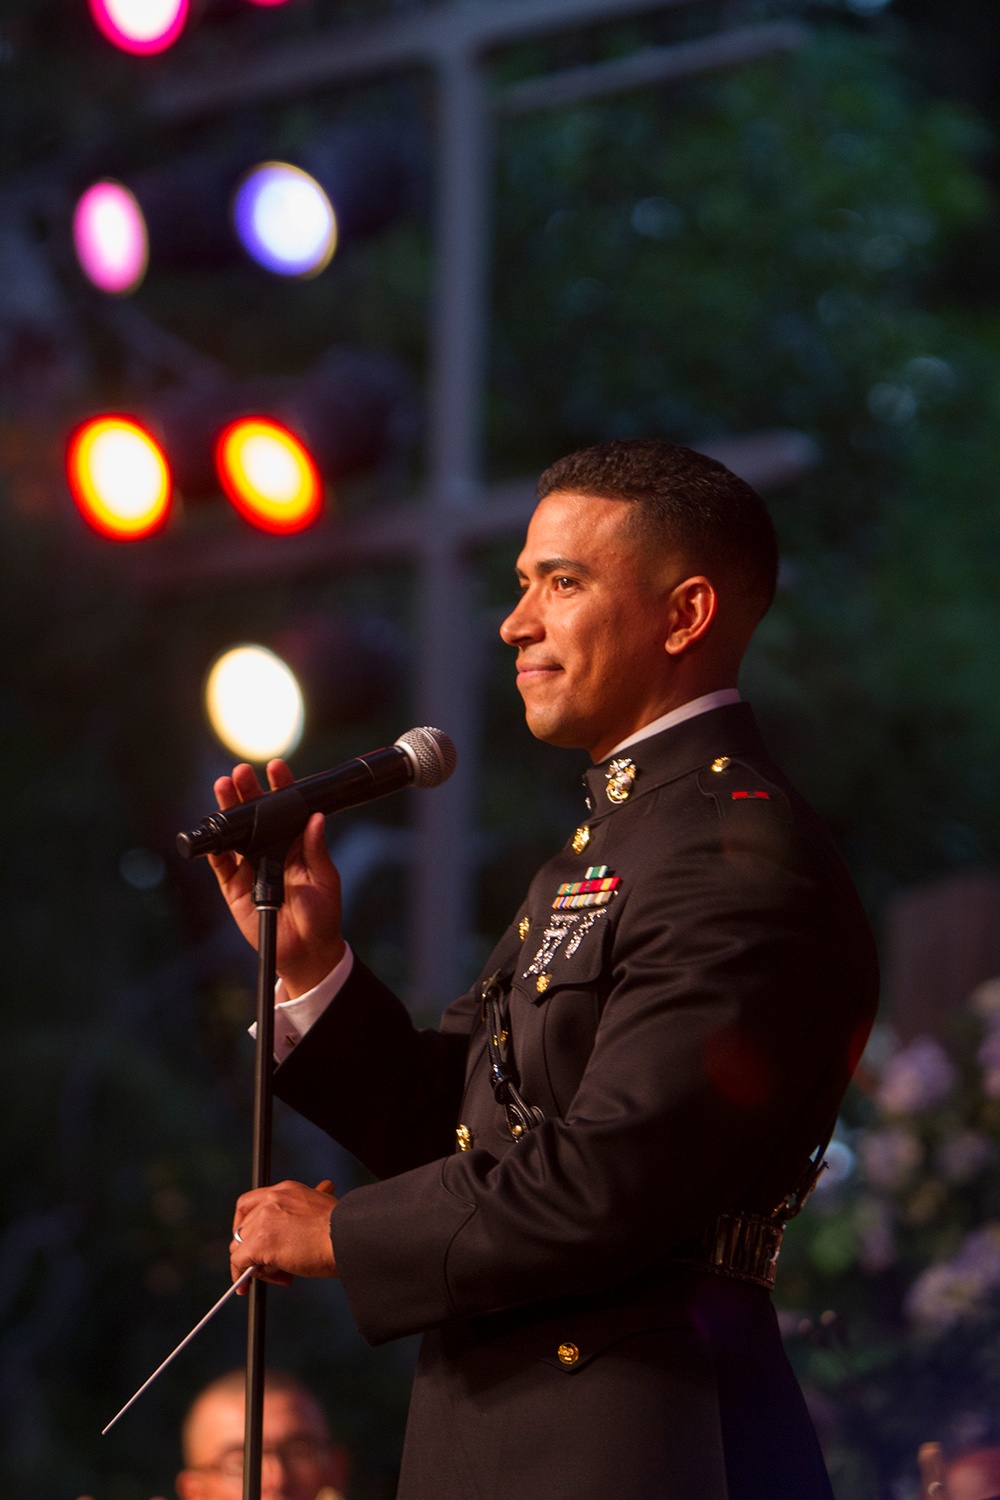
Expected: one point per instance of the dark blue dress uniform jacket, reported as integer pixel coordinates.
(688, 1050)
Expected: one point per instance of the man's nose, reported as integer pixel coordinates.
(522, 624)
(275, 1482)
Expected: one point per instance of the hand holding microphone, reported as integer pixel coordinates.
(310, 942)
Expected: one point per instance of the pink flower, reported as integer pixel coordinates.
(916, 1079)
(962, 1157)
(988, 1058)
(957, 1290)
(889, 1156)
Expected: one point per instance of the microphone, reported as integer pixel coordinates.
(420, 757)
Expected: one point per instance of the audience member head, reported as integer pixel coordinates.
(974, 1475)
(301, 1462)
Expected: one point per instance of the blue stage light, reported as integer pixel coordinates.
(284, 220)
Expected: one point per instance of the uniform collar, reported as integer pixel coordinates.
(718, 699)
(730, 730)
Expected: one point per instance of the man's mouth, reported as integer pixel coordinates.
(535, 671)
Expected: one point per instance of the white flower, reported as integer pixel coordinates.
(917, 1078)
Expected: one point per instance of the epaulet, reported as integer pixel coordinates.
(736, 786)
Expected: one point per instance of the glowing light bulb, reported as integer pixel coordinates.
(110, 238)
(284, 220)
(140, 26)
(118, 477)
(268, 475)
(254, 703)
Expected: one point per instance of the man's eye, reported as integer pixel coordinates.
(563, 582)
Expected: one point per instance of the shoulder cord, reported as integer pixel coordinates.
(519, 1114)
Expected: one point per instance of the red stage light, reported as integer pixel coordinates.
(140, 26)
(118, 477)
(268, 475)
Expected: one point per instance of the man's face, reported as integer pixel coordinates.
(590, 626)
(299, 1460)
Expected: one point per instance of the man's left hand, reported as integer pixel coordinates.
(285, 1231)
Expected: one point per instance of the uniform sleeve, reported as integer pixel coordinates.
(738, 977)
(383, 1088)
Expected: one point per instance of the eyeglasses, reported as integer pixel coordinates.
(294, 1453)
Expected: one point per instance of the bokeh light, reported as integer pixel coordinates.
(268, 475)
(140, 26)
(118, 477)
(110, 238)
(254, 703)
(284, 220)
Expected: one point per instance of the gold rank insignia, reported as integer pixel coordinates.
(720, 763)
(581, 839)
(463, 1136)
(620, 774)
(523, 928)
(542, 983)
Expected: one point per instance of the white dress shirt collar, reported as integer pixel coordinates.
(719, 699)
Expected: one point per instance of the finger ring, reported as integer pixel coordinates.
(237, 1237)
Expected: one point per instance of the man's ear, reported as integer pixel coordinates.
(692, 607)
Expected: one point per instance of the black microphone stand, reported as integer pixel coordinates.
(269, 897)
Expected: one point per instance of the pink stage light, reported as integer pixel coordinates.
(140, 26)
(109, 235)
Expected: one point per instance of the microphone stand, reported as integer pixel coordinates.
(269, 897)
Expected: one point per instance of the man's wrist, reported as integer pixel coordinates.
(299, 979)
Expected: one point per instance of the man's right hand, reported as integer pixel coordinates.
(310, 942)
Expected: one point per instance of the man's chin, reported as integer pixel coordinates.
(553, 731)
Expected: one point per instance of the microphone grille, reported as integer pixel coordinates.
(433, 755)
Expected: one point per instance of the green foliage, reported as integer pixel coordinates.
(756, 253)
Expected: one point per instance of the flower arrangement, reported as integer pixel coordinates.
(889, 1284)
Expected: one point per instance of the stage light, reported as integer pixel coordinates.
(268, 475)
(254, 703)
(118, 477)
(140, 26)
(284, 220)
(109, 235)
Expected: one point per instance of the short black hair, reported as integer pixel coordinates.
(687, 503)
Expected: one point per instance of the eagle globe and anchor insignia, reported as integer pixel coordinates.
(620, 775)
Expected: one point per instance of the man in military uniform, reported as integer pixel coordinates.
(583, 1174)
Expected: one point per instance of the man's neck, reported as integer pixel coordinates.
(702, 705)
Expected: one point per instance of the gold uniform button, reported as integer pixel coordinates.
(581, 839)
(542, 983)
(463, 1136)
(568, 1354)
(720, 762)
(523, 928)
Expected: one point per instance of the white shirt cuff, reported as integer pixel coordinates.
(293, 1018)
